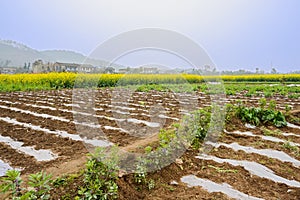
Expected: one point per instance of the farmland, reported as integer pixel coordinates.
(25, 82)
(257, 156)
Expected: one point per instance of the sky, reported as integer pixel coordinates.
(236, 34)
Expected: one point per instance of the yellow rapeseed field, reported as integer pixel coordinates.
(69, 80)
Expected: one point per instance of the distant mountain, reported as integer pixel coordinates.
(16, 54)
(71, 56)
(63, 55)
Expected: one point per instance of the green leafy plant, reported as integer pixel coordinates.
(295, 119)
(151, 184)
(230, 112)
(291, 147)
(249, 94)
(148, 149)
(165, 136)
(60, 181)
(262, 102)
(260, 115)
(222, 170)
(196, 125)
(11, 182)
(140, 175)
(41, 184)
(269, 132)
(250, 115)
(275, 117)
(272, 105)
(100, 176)
(293, 96)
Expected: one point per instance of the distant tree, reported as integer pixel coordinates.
(38, 62)
(25, 66)
(7, 62)
(109, 70)
(273, 71)
(4, 63)
(136, 70)
(238, 72)
(295, 72)
(207, 68)
(256, 70)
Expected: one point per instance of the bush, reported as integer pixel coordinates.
(39, 183)
(100, 176)
(256, 116)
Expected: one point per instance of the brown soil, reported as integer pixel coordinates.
(72, 154)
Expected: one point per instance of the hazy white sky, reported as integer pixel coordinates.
(235, 33)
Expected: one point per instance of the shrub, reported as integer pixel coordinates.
(256, 116)
(100, 176)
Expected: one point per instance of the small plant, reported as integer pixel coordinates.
(222, 170)
(168, 187)
(41, 184)
(60, 181)
(196, 126)
(176, 125)
(272, 105)
(148, 149)
(291, 147)
(149, 87)
(151, 184)
(100, 176)
(141, 173)
(230, 92)
(293, 96)
(288, 108)
(275, 117)
(259, 115)
(283, 92)
(269, 132)
(295, 119)
(249, 94)
(142, 103)
(140, 177)
(262, 102)
(268, 94)
(11, 182)
(230, 112)
(250, 115)
(165, 137)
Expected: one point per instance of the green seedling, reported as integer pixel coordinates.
(222, 170)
